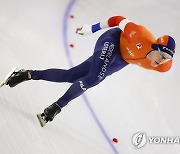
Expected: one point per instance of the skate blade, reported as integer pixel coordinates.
(7, 77)
(41, 120)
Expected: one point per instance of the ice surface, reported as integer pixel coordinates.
(36, 35)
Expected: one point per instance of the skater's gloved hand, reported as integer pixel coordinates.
(84, 30)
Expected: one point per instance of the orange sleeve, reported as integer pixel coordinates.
(132, 31)
(115, 20)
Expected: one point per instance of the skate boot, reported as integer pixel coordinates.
(49, 114)
(18, 77)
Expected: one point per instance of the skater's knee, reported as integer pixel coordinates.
(92, 81)
(68, 77)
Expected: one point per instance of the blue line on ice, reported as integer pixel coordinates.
(66, 46)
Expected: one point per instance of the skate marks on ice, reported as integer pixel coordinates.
(9, 75)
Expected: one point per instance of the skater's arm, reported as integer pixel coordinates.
(124, 24)
(89, 29)
(131, 30)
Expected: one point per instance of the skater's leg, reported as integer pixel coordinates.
(54, 75)
(62, 75)
(106, 51)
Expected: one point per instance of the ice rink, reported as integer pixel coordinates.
(40, 34)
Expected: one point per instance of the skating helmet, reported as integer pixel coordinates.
(165, 44)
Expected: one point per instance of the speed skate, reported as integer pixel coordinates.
(42, 120)
(9, 75)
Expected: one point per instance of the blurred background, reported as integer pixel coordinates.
(39, 35)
